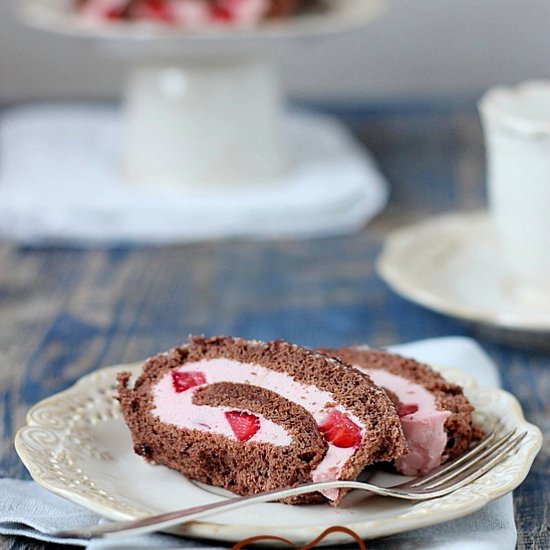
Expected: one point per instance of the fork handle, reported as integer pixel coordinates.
(171, 519)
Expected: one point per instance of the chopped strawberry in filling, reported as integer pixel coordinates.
(156, 10)
(221, 13)
(339, 430)
(183, 380)
(114, 14)
(243, 424)
(406, 409)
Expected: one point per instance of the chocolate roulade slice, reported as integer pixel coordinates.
(436, 415)
(252, 416)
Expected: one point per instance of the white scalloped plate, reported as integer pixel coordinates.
(76, 445)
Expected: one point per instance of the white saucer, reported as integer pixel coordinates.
(451, 264)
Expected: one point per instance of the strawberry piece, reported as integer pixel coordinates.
(156, 10)
(405, 409)
(220, 13)
(183, 380)
(339, 430)
(114, 14)
(244, 425)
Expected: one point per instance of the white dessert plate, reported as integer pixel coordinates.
(451, 264)
(76, 445)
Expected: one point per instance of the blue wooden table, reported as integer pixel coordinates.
(66, 312)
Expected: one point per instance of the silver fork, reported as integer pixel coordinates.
(491, 450)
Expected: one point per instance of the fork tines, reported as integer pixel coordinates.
(491, 450)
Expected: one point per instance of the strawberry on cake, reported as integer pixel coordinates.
(252, 416)
(188, 13)
(436, 415)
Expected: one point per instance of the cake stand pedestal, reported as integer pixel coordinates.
(202, 108)
(209, 123)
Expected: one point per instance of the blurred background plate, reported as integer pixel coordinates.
(331, 17)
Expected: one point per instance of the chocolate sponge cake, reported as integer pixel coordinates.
(436, 415)
(252, 416)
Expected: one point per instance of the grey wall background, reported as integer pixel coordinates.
(419, 48)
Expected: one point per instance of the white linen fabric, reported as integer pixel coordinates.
(59, 183)
(26, 509)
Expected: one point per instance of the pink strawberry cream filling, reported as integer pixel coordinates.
(423, 422)
(177, 407)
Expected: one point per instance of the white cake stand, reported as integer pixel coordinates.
(201, 107)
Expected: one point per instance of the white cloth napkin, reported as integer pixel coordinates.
(59, 182)
(26, 509)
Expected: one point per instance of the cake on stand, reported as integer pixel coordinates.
(203, 124)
